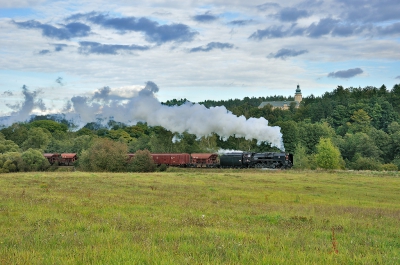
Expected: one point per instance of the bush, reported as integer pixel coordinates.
(301, 159)
(396, 162)
(389, 167)
(10, 162)
(328, 156)
(33, 160)
(104, 155)
(142, 162)
(163, 167)
(366, 163)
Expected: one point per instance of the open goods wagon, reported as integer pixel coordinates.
(184, 159)
(64, 159)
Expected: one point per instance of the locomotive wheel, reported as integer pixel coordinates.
(258, 165)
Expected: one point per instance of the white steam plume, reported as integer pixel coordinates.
(192, 118)
(23, 109)
(130, 105)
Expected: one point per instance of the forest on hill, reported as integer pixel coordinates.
(353, 128)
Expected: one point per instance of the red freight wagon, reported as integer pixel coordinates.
(68, 158)
(204, 160)
(51, 157)
(171, 159)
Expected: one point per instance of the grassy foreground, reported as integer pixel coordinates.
(200, 217)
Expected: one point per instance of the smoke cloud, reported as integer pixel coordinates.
(23, 110)
(142, 105)
(192, 118)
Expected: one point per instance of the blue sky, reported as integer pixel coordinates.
(195, 49)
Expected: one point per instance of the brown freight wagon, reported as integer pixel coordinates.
(52, 158)
(204, 160)
(67, 159)
(180, 159)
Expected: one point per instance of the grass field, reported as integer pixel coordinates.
(200, 217)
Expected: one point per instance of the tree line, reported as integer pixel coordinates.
(353, 128)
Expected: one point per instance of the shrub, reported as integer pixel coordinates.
(104, 155)
(142, 162)
(389, 167)
(396, 162)
(10, 162)
(328, 156)
(163, 167)
(366, 163)
(301, 159)
(33, 160)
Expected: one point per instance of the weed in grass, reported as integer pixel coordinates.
(334, 242)
(301, 219)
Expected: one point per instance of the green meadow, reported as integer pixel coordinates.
(192, 216)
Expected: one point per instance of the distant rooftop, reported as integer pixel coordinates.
(278, 104)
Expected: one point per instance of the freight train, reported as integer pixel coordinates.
(209, 160)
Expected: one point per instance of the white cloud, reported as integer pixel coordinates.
(217, 74)
(20, 3)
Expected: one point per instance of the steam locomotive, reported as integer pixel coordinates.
(256, 160)
(209, 160)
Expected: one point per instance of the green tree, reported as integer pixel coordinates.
(80, 143)
(104, 155)
(160, 140)
(10, 162)
(395, 144)
(142, 162)
(7, 145)
(49, 125)
(290, 133)
(33, 160)
(17, 132)
(395, 97)
(328, 156)
(37, 138)
(208, 143)
(359, 143)
(365, 163)
(340, 116)
(300, 159)
(310, 134)
(141, 143)
(393, 127)
(361, 122)
(383, 142)
(58, 146)
(84, 131)
(137, 130)
(119, 135)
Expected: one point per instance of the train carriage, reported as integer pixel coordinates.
(204, 160)
(52, 158)
(179, 159)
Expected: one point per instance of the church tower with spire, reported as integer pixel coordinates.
(297, 96)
